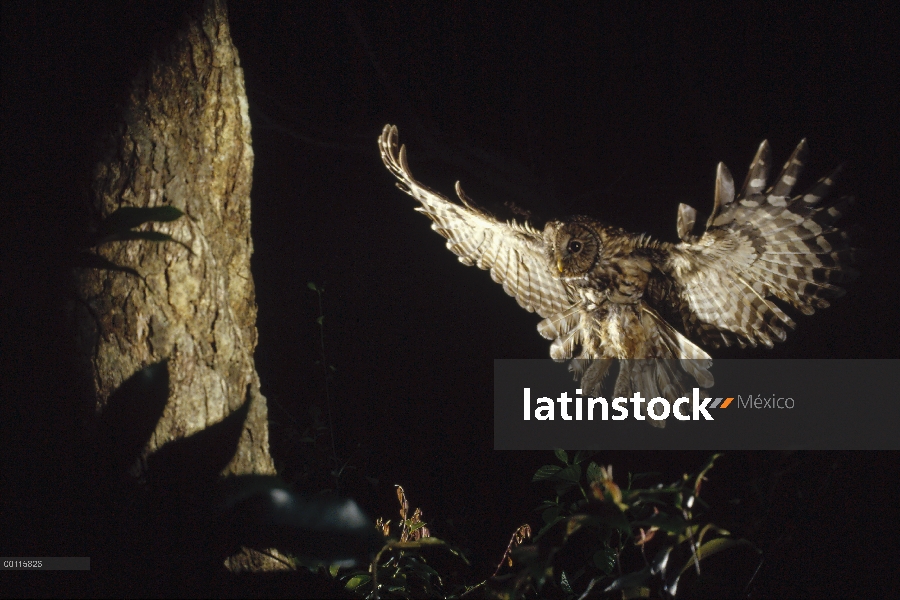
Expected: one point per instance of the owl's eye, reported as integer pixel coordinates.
(574, 247)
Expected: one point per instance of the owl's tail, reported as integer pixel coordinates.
(668, 364)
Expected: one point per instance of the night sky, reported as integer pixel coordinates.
(620, 112)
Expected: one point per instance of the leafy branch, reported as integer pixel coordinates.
(601, 537)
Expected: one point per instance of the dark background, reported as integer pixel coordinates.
(619, 111)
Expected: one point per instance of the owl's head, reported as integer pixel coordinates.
(575, 247)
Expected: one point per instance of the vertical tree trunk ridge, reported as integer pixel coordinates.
(184, 141)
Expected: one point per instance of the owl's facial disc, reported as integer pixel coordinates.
(576, 250)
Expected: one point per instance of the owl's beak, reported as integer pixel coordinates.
(559, 264)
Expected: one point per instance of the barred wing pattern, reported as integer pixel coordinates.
(515, 254)
(760, 245)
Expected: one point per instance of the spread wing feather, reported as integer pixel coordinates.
(758, 246)
(514, 253)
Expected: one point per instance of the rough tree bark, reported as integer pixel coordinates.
(184, 141)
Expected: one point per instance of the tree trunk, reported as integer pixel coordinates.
(184, 141)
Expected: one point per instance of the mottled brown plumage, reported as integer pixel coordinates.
(604, 292)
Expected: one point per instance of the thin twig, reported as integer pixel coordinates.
(327, 389)
(274, 398)
(472, 589)
(374, 568)
(752, 577)
(590, 586)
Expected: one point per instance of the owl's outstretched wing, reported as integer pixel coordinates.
(515, 254)
(759, 245)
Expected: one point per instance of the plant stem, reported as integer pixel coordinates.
(327, 389)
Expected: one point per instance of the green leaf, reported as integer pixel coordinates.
(605, 560)
(546, 472)
(550, 514)
(714, 547)
(333, 569)
(562, 487)
(399, 589)
(564, 583)
(312, 286)
(548, 526)
(704, 471)
(572, 473)
(583, 455)
(688, 533)
(357, 580)
(561, 455)
(415, 526)
(128, 217)
(630, 581)
(320, 320)
(716, 529)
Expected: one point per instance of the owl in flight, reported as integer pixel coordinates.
(609, 294)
